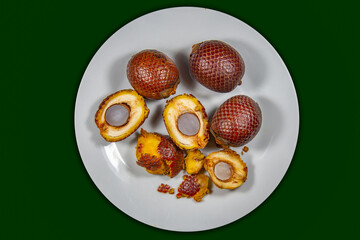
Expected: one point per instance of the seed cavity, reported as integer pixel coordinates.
(223, 171)
(188, 124)
(117, 115)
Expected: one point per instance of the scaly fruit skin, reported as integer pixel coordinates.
(137, 115)
(236, 122)
(174, 108)
(153, 74)
(238, 168)
(216, 65)
(195, 186)
(158, 154)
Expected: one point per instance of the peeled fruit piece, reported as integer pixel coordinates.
(216, 65)
(153, 74)
(226, 169)
(121, 114)
(158, 154)
(195, 186)
(186, 122)
(236, 122)
(194, 161)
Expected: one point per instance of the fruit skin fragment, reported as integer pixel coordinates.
(181, 104)
(194, 161)
(138, 112)
(164, 188)
(238, 168)
(195, 186)
(158, 154)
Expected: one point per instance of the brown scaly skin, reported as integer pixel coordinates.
(236, 122)
(153, 74)
(175, 107)
(158, 154)
(238, 168)
(216, 65)
(195, 186)
(138, 112)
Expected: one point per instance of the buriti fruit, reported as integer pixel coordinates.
(186, 121)
(120, 114)
(216, 65)
(153, 74)
(226, 169)
(236, 122)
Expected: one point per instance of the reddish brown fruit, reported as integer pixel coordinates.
(153, 74)
(236, 122)
(216, 65)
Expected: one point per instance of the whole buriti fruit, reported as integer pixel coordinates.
(236, 122)
(153, 74)
(216, 65)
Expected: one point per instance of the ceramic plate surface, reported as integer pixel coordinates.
(112, 166)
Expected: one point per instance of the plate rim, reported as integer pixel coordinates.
(293, 150)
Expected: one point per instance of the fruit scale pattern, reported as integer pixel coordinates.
(236, 121)
(153, 74)
(216, 65)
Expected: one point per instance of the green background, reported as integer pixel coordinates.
(47, 193)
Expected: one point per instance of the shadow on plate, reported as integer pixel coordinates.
(117, 78)
(155, 117)
(182, 63)
(91, 125)
(189, 84)
(255, 65)
(247, 185)
(272, 122)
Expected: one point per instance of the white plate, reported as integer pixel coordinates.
(112, 166)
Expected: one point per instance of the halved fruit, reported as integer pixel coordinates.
(195, 186)
(120, 114)
(158, 154)
(226, 169)
(187, 122)
(194, 161)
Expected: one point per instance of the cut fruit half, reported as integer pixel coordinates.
(186, 122)
(120, 114)
(158, 154)
(226, 169)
